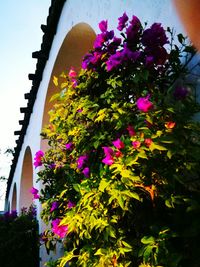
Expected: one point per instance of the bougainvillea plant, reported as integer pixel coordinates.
(121, 174)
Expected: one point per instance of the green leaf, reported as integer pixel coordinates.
(131, 194)
(68, 256)
(154, 146)
(63, 85)
(120, 201)
(76, 187)
(142, 154)
(103, 184)
(111, 231)
(55, 97)
(148, 240)
(100, 252)
(147, 253)
(169, 154)
(126, 173)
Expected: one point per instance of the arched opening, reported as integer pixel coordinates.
(76, 44)
(25, 198)
(14, 198)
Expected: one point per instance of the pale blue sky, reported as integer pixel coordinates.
(20, 35)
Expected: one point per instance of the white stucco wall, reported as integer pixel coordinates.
(90, 12)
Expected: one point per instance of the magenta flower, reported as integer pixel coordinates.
(99, 41)
(130, 55)
(108, 151)
(58, 229)
(157, 55)
(113, 46)
(114, 61)
(118, 154)
(154, 39)
(103, 38)
(38, 158)
(132, 32)
(103, 25)
(34, 192)
(36, 196)
(86, 172)
(54, 206)
(109, 35)
(154, 36)
(144, 104)
(122, 22)
(72, 73)
(118, 144)
(87, 60)
(136, 144)
(70, 204)
(91, 60)
(108, 160)
(69, 146)
(81, 161)
(135, 22)
(120, 57)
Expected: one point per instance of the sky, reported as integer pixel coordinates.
(20, 35)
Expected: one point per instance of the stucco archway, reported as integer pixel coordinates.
(76, 44)
(25, 197)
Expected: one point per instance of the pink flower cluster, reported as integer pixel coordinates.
(72, 74)
(54, 206)
(69, 146)
(144, 104)
(109, 152)
(115, 52)
(108, 160)
(34, 192)
(82, 162)
(38, 158)
(60, 230)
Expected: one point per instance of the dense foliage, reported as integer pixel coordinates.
(19, 239)
(121, 173)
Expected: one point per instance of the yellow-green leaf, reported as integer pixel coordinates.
(126, 173)
(169, 154)
(154, 146)
(55, 80)
(103, 184)
(55, 97)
